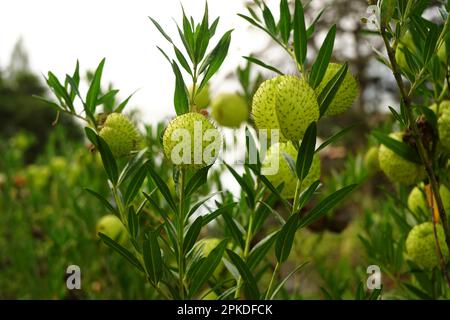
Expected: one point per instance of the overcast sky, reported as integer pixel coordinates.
(56, 33)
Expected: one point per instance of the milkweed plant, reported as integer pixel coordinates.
(162, 227)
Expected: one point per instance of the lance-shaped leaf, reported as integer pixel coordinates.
(300, 36)
(152, 257)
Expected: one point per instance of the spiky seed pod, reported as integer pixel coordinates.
(296, 107)
(398, 169)
(111, 226)
(371, 160)
(264, 107)
(345, 96)
(192, 141)
(229, 110)
(120, 134)
(421, 245)
(284, 173)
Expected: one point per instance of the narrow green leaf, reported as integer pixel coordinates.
(400, 148)
(192, 234)
(269, 20)
(306, 195)
(285, 21)
(105, 202)
(76, 81)
(312, 27)
(335, 137)
(246, 187)
(256, 24)
(269, 185)
(94, 88)
(260, 250)
(180, 98)
(133, 222)
(201, 202)
(262, 64)
(216, 58)
(202, 37)
(60, 91)
(196, 181)
(205, 271)
(250, 286)
(396, 115)
(327, 95)
(109, 163)
(300, 37)
(152, 257)
(160, 29)
(326, 205)
(182, 60)
(50, 103)
(162, 187)
(306, 151)
(107, 97)
(320, 66)
(282, 283)
(285, 238)
(122, 106)
(218, 212)
(430, 43)
(122, 251)
(135, 184)
(233, 229)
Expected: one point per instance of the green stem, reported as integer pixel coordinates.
(296, 196)
(192, 106)
(274, 273)
(246, 252)
(180, 231)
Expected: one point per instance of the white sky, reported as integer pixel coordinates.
(57, 32)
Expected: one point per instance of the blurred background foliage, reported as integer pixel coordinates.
(44, 169)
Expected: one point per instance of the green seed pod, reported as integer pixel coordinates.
(192, 141)
(120, 134)
(371, 160)
(398, 169)
(345, 96)
(296, 107)
(111, 226)
(264, 107)
(229, 110)
(421, 245)
(202, 98)
(284, 174)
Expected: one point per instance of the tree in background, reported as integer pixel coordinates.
(20, 111)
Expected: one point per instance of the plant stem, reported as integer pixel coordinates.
(274, 273)
(246, 251)
(427, 162)
(180, 231)
(296, 195)
(193, 106)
